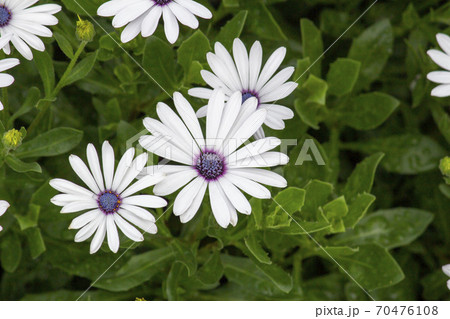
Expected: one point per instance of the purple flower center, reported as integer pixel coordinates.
(162, 2)
(5, 16)
(109, 202)
(248, 94)
(210, 165)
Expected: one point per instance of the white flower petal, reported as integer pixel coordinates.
(143, 183)
(439, 77)
(174, 182)
(94, 165)
(4, 205)
(128, 230)
(171, 27)
(139, 212)
(235, 196)
(262, 176)
(99, 236)
(85, 219)
(444, 42)
(146, 225)
(186, 196)
(112, 234)
(83, 173)
(218, 204)
(441, 90)
(69, 187)
(193, 208)
(250, 187)
(149, 201)
(255, 62)
(108, 164)
(271, 66)
(440, 58)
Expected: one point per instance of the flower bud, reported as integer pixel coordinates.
(13, 139)
(85, 30)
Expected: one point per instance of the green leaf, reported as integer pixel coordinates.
(44, 65)
(251, 242)
(361, 179)
(139, 269)
(442, 119)
(371, 266)
(245, 273)
(52, 143)
(232, 29)
(317, 194)
(159, 63)
(358, 208)
(316, 89)
(334, 212)
(288, 201)
(171, 286)
(22, 167)
(29, 104)
(63, 44)
(11, 255)
(368, 111)
(211, 271)
(262, 23)
(312, 44)
(35, 242)
(193, 49)
(185, 256)
(83, 7)
(110, 111)
(81, 70)
(342, 76)
(372, 48)
(405, 154)
(389, 228)
(30, 219)
(302, 71)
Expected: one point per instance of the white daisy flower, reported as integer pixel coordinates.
(6, 79)
(110, 198)
(4, 205)
(446, 270)
(25, 24)
(443, 60)
(244, 74)
(142, 16)
(217, 163)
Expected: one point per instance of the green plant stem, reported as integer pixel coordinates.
(45, 107)
(69, 69)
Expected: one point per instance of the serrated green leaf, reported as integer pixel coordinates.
(342, 76)
(232, 29)
(312, 44)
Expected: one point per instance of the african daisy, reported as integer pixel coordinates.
(110, 199)
(217, 163)
(4, 205)
(244, 74)
(142, 16)
(6, 79)
(25, 24)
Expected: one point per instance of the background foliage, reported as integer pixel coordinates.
(379, 206)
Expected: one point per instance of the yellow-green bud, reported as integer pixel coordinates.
(12, 139)
(444, 166)
(85, 30)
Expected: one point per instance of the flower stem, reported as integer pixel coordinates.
(46, 106)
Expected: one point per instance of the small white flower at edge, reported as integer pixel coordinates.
(446, 270)
(4, 205)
